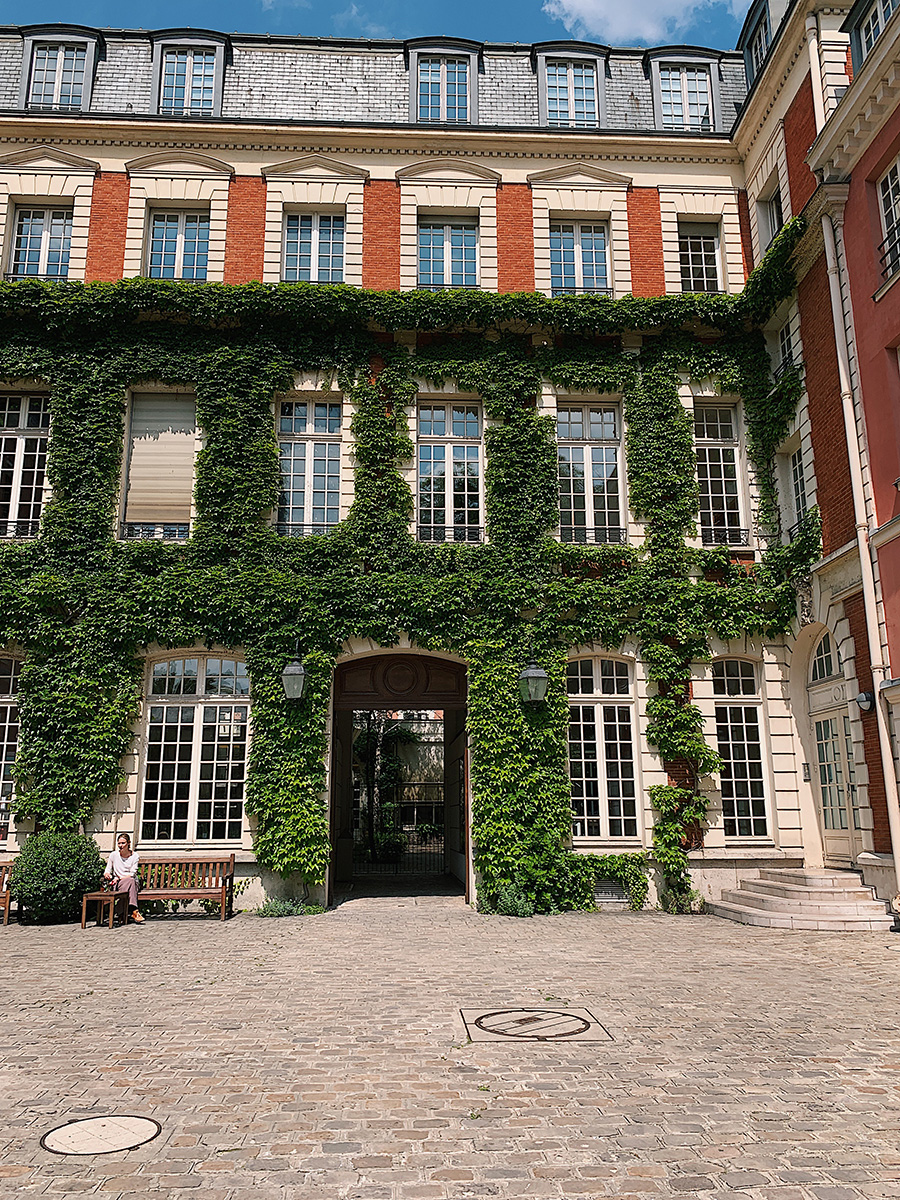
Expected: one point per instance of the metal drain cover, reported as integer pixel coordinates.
(101, 1135)
(533, 1025)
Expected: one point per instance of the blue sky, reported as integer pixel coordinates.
(618, 22)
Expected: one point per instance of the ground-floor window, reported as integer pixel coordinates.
(195, 769)
(601, 749)
(738, 732)
(9, 738)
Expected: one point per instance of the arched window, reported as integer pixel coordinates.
(601, 749)
(196, 757)
(9, 738)
(826, 661)
(738, 732)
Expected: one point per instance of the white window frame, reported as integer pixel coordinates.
(798, 484)
(321, 442)
(730, 454)
(15, 464)
(316, 243)
(825, 662)
(873, 23)
(667, 122)
(444, 49)
(51, 216)
(578, 231)
(572, 66)
(9, 738)
(180, 242)
(759, 43)
(449, 225)
(689, 230)
(607, 419)
(58, 51)
(189, 45)
(459, 450)
(195, 784)
(736, 707)
(889, 208)
(611, 818)
(63, 37)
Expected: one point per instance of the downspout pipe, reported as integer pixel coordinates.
(815, 69)
(879, 669)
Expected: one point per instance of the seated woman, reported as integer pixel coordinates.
(122, 871)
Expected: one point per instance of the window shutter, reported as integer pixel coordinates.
(161, 458)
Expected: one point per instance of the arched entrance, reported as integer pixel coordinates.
(399, 779)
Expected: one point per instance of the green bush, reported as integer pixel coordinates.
(288, 908)
(513, 901)
(391, 846)
(53, 872)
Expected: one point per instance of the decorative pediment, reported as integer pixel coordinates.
(180, 162)
(46, 158)
(448, 170)
(578, 174)
(315, 167)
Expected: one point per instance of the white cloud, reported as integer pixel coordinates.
(645, 21)
(355, 22)
(270, 5)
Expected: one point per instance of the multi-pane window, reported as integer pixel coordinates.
(826, 661)
(9, 738)
(448, 255)
(874, 22)
(188, 82)
(741, 751)
(309, 447)
(760, 43)
(41, 243)
(685, 96)
(716, 441)
(578, 258)
(889, 196)
(24, 434)
(57, 76)
(571, 94)
(179, 245)
(774, 211)
(601, 749)
(830, 767)
(785, 348)
(196, 757)
(590, 484)
(449, 485)
(313, 248)
(443, 93)
(698, 252)
(798, 484)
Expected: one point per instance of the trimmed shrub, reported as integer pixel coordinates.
(53, 872)
(288, 908)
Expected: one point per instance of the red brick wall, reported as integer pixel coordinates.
(799, 135)
(246, 229)
(746, 239)
(515, 238)
(108, 224)
(833, 488)
(854, 607)
(381, 234)
(648, 275)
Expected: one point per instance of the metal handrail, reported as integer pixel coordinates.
(19, 529)
(450, 533)
(599, 535)
(564, 290)
(448, 287)
(890, 253)
(18, 276)
(317, 529)
(787, 364)
(716, 535)
(159, 531)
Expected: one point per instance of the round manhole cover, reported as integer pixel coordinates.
(539, 1023)
(101, 1135)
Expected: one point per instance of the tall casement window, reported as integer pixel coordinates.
(160, 467)
(57, 76)
(443, 89)
(834, 772)
(798, 484)
(179, 245)
(590, 484)
(889, 196)
(448, 254)
(188, 84)
(717, 447)
(786, 350)
(698, 251)
(313, 248)
(826, 663)
(759, 43)
(309, 448)
(571, 93)
(601, 749)
(578, 257)
(740, 747)
(41, 243)
(686, 98)
(9, 738)
(773, 214)
(450, 472)
(195, 768)
(874, 21)
(24, 436)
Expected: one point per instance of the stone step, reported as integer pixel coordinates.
(795, 891)
(781, 920)
(816, 879)
(838, 908)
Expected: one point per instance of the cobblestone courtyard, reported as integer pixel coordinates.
(325, 1057)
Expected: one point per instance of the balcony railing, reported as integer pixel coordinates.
(450, 533)
(598, 536)
(18, 276)
(448, 287)
(19, 529)
(562, 290)
(786, 365)
(715, 535)
(287, 529)
(890, 253)
(159, 531)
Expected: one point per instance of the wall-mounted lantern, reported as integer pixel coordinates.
(866, 701)
(293, 680)
(533, 683)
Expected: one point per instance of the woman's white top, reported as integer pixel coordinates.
(119, 867)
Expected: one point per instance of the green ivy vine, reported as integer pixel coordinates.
(84, 607)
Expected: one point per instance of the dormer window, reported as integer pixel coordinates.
(874, 22)
(685, 91)
(59, 68)
(189, 71)
(759, 44)
(570, 84)
(443, 82)
(865, 23)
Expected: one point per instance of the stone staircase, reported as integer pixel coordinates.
(797, 899)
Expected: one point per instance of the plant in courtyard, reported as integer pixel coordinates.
(52, 873)
(288, 908)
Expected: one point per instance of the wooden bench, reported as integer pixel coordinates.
(189, 879)
(5, 869)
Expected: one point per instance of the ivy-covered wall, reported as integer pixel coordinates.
(83, 606)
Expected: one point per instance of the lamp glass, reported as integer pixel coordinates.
(293, 680)
(533, 683)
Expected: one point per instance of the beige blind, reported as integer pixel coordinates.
(161, 458)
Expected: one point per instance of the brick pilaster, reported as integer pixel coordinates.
(381, 234)
(245, 231)
(515, 238)
(648, 273)
(746, 238)
(107, 228)
(855, 610)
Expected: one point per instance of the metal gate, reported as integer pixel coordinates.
(407, 835)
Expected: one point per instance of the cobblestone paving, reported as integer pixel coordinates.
(324, 1057)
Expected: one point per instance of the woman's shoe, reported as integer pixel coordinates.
(136, 916)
